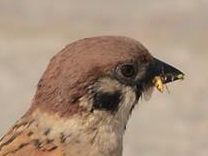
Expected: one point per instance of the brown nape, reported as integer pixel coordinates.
(78, 66)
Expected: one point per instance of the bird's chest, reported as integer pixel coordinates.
(97, 143)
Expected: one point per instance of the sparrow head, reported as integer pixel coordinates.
(103, 77)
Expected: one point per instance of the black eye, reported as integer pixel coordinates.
(128, 70)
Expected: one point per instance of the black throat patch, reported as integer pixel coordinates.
(106, 100)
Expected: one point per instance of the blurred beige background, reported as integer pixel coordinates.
(174, 124)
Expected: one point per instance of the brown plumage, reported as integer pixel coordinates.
(84, 99)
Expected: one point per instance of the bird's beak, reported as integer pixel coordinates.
(163, 73)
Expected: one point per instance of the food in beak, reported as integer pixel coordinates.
(158, 81)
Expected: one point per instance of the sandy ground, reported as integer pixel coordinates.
(174, 124)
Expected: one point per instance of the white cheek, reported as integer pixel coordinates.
(129, 99)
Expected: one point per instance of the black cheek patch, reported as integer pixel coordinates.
(106, 100)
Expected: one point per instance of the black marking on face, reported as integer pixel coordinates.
(106, 100)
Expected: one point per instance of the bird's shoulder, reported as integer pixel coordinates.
(20, 140)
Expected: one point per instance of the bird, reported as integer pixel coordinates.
(85, 98)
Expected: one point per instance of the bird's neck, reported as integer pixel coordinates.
(84, 134)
